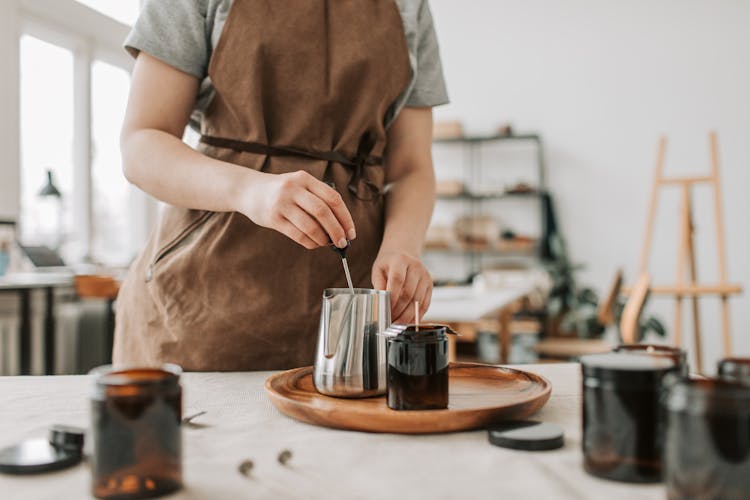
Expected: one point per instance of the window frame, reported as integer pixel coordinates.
(90, 36)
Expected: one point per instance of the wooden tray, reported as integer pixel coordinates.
(479, 396)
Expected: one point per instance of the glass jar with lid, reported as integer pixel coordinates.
(623, 425)
(417, 370)
(707, 447)
(136, 426)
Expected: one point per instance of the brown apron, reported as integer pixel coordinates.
(300, 85)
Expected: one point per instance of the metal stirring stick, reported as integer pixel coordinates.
(348, 276)
(342, 254)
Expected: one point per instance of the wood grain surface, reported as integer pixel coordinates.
(480, 395)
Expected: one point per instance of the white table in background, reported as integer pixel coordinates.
(464, 304)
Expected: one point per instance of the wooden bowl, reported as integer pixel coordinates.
(480, 395)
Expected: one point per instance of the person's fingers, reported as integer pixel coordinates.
(323, 214)
(405, 306)
(309, 226)
(290, 230)
(424, 295)
(408, 315)
(333, 199)
(395, 281)
(379, 277)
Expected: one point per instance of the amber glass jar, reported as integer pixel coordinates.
(735, 370)
(418, 369)
(135, 422)
(679, 356)
(623, 425)
(707, 447)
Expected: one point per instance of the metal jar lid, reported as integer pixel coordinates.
(709, 397)
(427, 331)
(62, 449)
(679, 355)
(625, 371)
(735, 369)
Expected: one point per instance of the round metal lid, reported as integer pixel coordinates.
(37, 455)
(527, 435)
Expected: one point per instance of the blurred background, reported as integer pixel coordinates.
(545, 160)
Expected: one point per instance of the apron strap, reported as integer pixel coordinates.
(356, 164)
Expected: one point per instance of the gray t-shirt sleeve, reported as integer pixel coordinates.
(175, 32)
(429, 85)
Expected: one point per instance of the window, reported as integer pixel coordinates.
(125, 11)
(74, 82)
(111, 220)
(46, 140)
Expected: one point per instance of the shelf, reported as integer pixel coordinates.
(473, 149)
(487, 138)
(489, 196)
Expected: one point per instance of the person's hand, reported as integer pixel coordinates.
(299, 206)
(408, 281)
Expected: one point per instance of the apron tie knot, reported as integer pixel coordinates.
(361, 160)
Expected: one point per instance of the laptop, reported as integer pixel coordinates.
(43, 257)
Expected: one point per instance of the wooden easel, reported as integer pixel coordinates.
(686, 250)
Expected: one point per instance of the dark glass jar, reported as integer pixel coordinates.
(135, 421)
(735, 370)
(418, 369)
(623, 425)
(707, 448)
(679, 356)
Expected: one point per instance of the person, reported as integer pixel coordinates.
(290, 97)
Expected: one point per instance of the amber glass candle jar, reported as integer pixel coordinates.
(417, 370)
(679, 356)
(135, 421)
(623, 425)
(735, 370)
(707, 448)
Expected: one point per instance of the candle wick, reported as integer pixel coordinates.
(416, 314)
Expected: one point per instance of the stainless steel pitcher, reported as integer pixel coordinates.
(350, 358)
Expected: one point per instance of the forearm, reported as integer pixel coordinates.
(408, 210)
(163, 166)
(295, 204)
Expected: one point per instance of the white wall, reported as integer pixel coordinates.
(9, 133)
(601, 80)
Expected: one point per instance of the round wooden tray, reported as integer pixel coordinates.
(479, 396)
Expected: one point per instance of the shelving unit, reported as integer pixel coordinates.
(473, 165)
